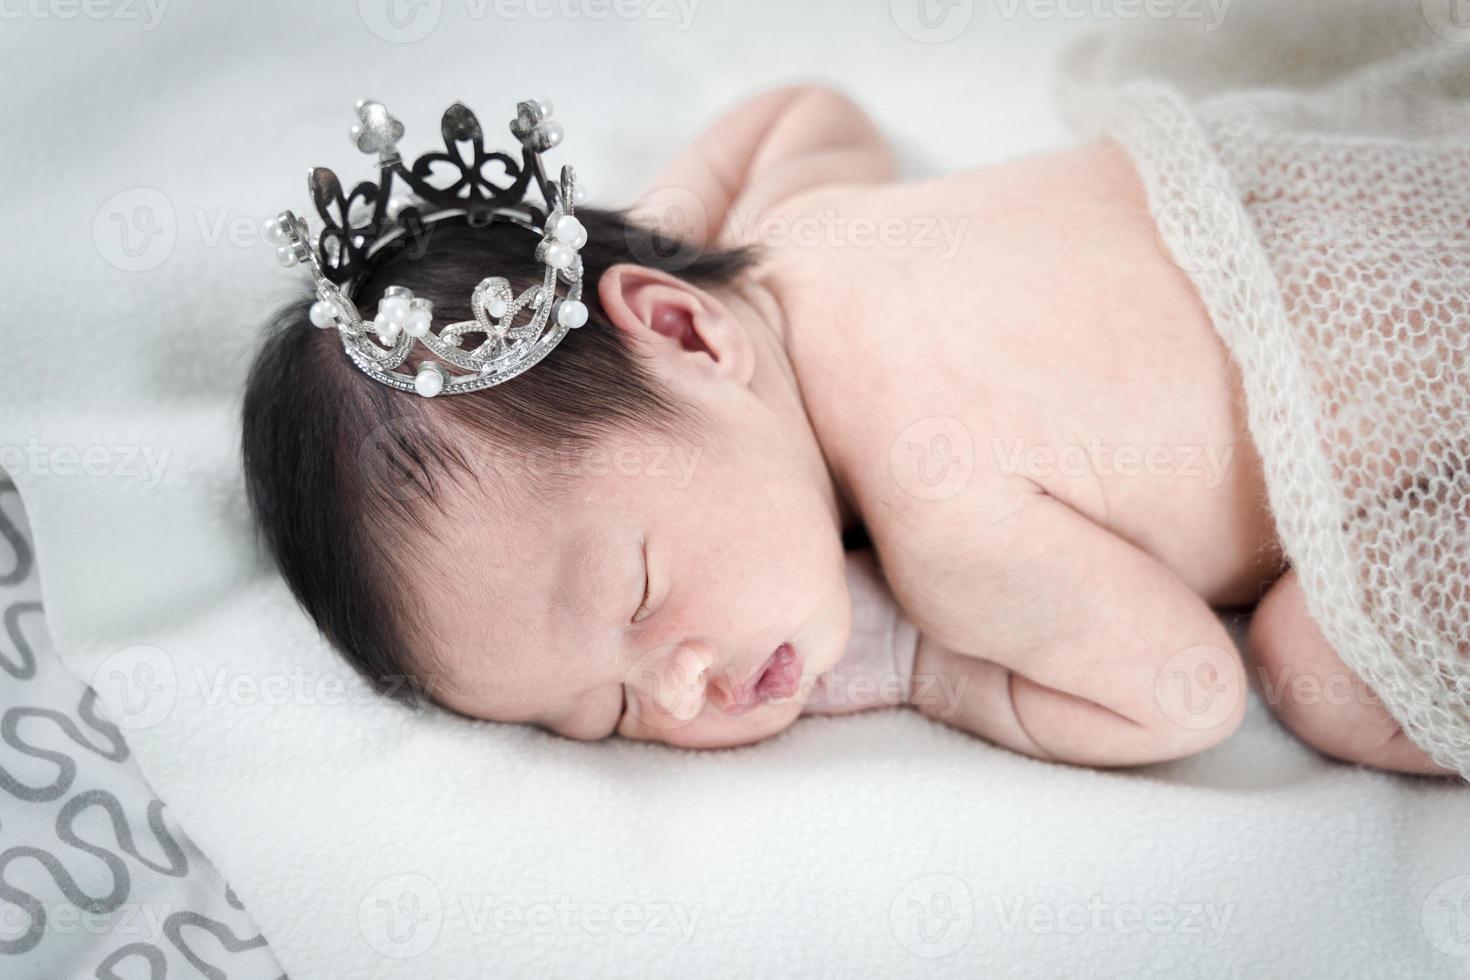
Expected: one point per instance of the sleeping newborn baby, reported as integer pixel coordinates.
(808, 454)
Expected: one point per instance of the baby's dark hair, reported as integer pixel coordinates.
(337, 466)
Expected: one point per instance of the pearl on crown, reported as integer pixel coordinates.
(323, 314)
(400, 312)
(571, 313)
(430, 379)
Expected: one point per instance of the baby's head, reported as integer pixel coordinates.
(638, 535)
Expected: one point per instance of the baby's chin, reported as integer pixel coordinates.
(714, 729)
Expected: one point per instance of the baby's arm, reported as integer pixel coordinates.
(1074, 645)
(760, 153)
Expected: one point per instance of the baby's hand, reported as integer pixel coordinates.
(876, 668)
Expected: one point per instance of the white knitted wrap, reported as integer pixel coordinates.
(1323, 213)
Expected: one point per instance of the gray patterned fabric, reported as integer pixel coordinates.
(96, 879)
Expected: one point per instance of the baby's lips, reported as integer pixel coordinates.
(779, 677)
(782, 675)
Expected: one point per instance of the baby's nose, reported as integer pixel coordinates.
(674, 687)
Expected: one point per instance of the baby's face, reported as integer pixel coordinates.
(674, 590)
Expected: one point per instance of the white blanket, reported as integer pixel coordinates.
(369, 842)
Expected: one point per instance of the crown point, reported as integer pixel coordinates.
(545, 105)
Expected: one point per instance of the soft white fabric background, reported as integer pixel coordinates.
(342, 825)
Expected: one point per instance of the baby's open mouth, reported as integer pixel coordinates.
(777, 678)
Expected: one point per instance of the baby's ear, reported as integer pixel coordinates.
(683, 326)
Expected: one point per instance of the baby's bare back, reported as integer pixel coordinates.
(1028, 406)
(1029, 334)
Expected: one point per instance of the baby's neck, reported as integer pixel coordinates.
(778, 383)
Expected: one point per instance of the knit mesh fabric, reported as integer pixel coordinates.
(1327, 230)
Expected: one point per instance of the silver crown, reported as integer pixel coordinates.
(360, 225)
